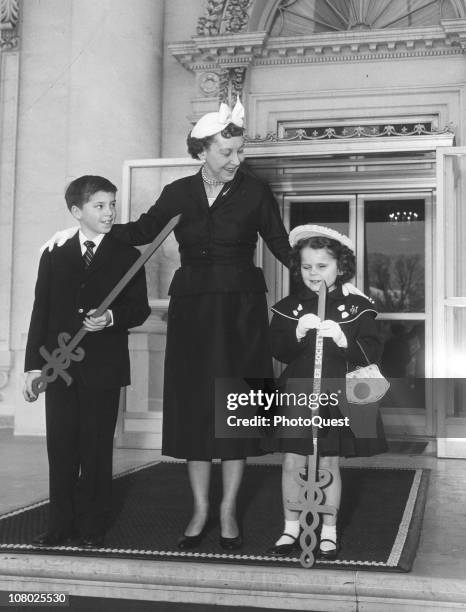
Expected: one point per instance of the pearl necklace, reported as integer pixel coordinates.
(210, 181)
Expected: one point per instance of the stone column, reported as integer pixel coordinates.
(115, 84)
(90, 98)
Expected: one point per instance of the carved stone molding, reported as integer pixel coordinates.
(209, 83)
(449, 38)
(256, 48)
(224, 85)
(226, 51)
(9, 17)
(5, 368)
(350, 132)
(226, 56)
(224, 16)
(4, 375)
(231, 85)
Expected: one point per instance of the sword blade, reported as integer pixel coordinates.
(39, 384)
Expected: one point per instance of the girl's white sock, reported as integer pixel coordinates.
(290, 533)
(328, 532)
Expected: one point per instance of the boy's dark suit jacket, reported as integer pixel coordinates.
(66, 291)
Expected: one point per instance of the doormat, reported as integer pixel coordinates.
(407, 447)
(379, 520)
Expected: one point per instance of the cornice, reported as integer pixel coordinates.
(9, 17)
(208, 52)
(257, 48)
(450, 34)
(293, 59)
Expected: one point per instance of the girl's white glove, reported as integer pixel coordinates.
(59, 238)
(348, 288)
(305, 323)
(330, 329)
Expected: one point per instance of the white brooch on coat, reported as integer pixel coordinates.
(344, 314)
(297, 311)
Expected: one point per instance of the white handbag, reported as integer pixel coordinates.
(365, 385)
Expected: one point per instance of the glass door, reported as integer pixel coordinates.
(449, 388)
(140, 419)
(392, 235)
(393, 247)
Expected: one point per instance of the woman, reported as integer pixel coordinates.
(217, 317)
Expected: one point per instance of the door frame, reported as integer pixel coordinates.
(451, 430)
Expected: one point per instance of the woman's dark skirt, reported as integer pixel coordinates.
(208, 336)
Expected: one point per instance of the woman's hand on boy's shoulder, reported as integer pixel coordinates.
(59, 238)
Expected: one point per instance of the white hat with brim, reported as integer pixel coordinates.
(301, 232)
(213, 123)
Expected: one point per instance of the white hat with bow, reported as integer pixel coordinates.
(301, 232)
(213, 123)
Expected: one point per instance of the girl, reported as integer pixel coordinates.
(322, 255)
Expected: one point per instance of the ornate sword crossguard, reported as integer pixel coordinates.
(68, 350)
(312, 480)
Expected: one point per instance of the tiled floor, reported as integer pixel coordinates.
(442, 550)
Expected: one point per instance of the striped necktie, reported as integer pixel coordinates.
(89, 253)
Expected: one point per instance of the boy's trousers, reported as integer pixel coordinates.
(80, 424)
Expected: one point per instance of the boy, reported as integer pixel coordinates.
(80, 419)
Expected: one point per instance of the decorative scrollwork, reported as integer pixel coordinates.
(236, 15)
(231, 84)
(224, 16)
(209, 24)
(224, 87)
(330, 133)
(209, 83)
(9, 12)
(9, 16)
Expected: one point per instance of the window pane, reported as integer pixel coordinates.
(331, 214)
(403, 362)
(394, 261)
(146, 184)
(455, 226)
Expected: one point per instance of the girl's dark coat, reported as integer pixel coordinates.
(356, 316)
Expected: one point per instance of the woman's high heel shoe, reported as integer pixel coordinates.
(188, 542)
(231, 543)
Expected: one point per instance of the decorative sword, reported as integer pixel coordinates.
(311, 495)
(68, 349)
